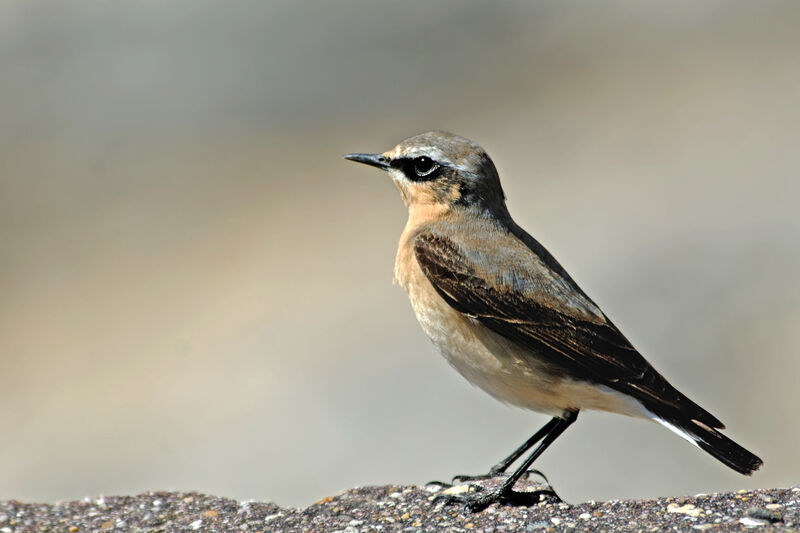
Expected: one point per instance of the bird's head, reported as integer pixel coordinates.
(439, 169)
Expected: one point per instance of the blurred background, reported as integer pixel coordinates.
(197, 289)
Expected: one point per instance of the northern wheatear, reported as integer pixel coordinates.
(510, 319)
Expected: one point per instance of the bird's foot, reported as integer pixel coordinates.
(477, 500)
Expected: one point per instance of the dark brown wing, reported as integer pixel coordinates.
(550, 316)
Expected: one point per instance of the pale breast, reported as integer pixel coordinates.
(484, 358)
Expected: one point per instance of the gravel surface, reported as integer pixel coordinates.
(408, 509)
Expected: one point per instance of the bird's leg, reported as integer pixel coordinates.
(505, 492)
(503, 465)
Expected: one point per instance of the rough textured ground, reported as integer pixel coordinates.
(408, 509)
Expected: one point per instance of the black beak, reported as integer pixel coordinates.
(373, 160)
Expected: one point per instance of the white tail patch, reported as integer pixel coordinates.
(675, 429)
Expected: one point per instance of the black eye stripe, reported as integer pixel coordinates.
(418, 168)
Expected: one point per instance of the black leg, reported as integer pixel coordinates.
(503, 465)
(505, 492)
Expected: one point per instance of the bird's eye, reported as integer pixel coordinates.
(424, 166)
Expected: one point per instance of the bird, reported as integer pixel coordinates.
(508, 317)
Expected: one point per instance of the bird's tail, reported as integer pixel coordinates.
(715, 443)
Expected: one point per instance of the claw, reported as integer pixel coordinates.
(461, 478)
(479, 477)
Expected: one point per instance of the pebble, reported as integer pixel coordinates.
(688, 509)
(752, 522)
(537, 525)
(455, 489)
(763, 514)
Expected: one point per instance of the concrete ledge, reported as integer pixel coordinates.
(409, 509)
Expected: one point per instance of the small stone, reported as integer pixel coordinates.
(455, 489)
(688, 509)
(763, 514)
(703, 527)
(537, 525)
(752, 522)
(405, 516)
(211, 513)
(73, 529)
(108, 524)
(157, 503)
(585, 516)
(773, 506)
(395, 495)
(188, 499)
(469, 525)
(555, 520)
(355, 523)
(197, 524)
(326, 499)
